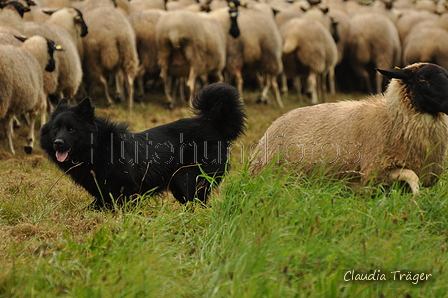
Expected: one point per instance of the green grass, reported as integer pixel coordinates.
(273, 235)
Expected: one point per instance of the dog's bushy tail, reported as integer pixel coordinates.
(220, 105)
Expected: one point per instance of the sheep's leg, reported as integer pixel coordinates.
(8, 125)
(260, 80)
(119, 82)
(103, 81)
(239, 80)
(191, 84)
(264, 92)
(322, 86)
(140, 83)
(129, 82)
(274, 84)
(179, 89)
(30, 138)
(298, 86)
(364, 74)
(167, 80)
(311, 87)
(331, 80)
(406, 175)
(284, 80)
(43, 112)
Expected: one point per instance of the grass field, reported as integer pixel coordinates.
(267, 236)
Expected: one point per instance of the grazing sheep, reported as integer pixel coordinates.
(193, 45)
(110, 50)
(21, 78)
(65, 27)
(398, 135)
(373, 43)
(309, 51)
(144, 24)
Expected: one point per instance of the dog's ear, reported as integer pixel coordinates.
(62, 103)
(85, 108)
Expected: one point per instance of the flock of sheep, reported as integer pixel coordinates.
(322, 45)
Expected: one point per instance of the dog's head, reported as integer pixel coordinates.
(68, 134)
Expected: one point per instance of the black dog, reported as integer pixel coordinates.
(113, 164)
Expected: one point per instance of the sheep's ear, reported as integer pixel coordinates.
(396, 73)
(21, 38)
(30, 3)
(49, 12)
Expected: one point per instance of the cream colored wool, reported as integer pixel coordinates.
(22, 89)
(373, 139)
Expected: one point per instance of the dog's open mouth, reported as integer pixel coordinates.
(62, 156)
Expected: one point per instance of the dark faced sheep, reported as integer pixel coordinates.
(258, 51)
(65, 26)
(398, 135)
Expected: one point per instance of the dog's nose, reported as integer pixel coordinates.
(58, 142)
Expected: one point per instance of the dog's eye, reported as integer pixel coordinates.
(56, 129)
(71, 130)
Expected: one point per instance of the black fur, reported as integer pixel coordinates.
(167, 157)
(427, 85)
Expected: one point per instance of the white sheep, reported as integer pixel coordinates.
(309, 51)
(427, 42)
(21, 78)
(373, 41)
(260, 44)
(398, 135)
(144, 24)
(11, 17)
(109, 49)
(193, 45)
(65, 26)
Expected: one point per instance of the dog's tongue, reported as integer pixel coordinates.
(61, 156)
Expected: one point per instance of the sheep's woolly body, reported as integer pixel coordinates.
(10, 20)
(60, 28)
(261, 46)
(110, 49)
(367, 139)
(192, 44)
(22, 83)
(411, 19)
(144, 24)
(309, 50)
(419, 45)
(373, 39)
